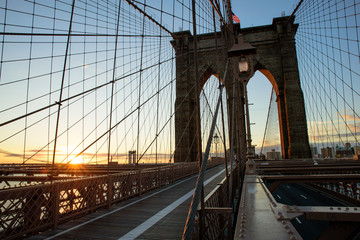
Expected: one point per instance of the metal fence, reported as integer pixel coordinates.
(28, 210)
(218, 210)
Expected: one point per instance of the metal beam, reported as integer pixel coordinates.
(33, 178)
(314, 178)
(341, 230)
(256, 220)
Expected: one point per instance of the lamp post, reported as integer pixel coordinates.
(249, 153)
(242, 52)
(216, 141)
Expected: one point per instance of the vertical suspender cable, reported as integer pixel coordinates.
(113, 83)
(158, 90)
(51, 81)
(197, 110)
(3, 40)
(267, 121)
(199, 183)
(140, 81)
(28, 82)
(221, 103)
(62, 87)
(171, 88)
(232, 125)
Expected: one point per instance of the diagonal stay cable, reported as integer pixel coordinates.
(267, 120)
(199, 183)
(149, 17)
(74, 96)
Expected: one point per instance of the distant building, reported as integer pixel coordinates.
(344, 152)
(313, 150)
(357, 150)
(327, 152)
(113, 164)
(273, 155)
(132, 157)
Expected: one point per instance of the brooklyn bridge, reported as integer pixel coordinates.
(179, 119)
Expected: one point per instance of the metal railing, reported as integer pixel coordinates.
(28, 210)
(218, 211)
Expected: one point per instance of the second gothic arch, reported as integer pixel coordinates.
(275, 58)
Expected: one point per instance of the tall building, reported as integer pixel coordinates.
(357, 150)
(273, 155)
(313, 150)
(344, 152)
(327, 152)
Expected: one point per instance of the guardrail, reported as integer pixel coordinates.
(338, 177)
(218, 211)
(28, 210)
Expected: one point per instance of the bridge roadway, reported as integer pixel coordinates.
(300, 195)
(258, 207)
(159, 214)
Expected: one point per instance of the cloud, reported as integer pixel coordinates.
(274, 141)
(350, 117)
(35, 155)
(353, 127)
(11, 155)
(16, 157)
(268, 148)
(335, 121)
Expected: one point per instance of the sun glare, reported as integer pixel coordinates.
(63, 152)
(77, 160)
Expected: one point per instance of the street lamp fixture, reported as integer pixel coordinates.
(243, 65)
(216, 141)
(216, 138)
(241, 48)
(242, 53)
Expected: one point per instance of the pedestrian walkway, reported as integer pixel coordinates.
(159, 214)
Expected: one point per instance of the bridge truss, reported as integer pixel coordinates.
(328, 49)
(89, 81)
(93, 82)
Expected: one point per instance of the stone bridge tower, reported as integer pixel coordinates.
(275, 58)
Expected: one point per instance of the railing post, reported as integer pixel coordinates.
(182, 170)
(56, 202)
(110, 190)
(139, 182)
(229, 231)
(220, 214)
(160, 179)
(172, 174)
(32, 209)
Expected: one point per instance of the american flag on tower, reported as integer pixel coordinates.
(235, 18)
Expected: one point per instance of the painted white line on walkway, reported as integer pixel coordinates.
(157, 217)
(118, 209)
(298, 220)
(303, 196)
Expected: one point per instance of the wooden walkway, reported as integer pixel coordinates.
(160, 214)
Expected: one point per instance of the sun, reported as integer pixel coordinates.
(76, 160)
(69, 156)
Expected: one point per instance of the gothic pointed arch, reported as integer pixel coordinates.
(275, 58)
